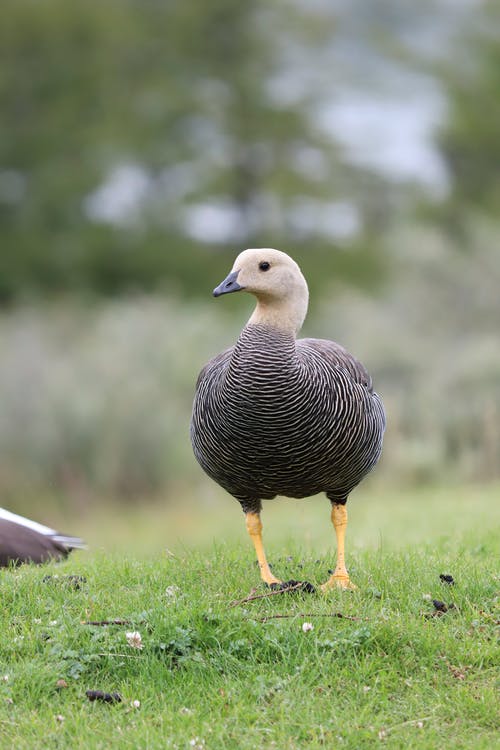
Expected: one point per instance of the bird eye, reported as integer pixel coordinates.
(264, 266)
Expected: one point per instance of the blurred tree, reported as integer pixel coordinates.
(469, 140)
(137, 137)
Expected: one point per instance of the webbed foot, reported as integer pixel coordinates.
(342, 582)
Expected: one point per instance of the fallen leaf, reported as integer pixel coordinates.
(457, 673)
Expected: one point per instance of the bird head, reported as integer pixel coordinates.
(277, 282)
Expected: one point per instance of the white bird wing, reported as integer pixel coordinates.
(7, 515)
(70, 542)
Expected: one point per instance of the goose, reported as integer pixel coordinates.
(277, 415)
(23, 540)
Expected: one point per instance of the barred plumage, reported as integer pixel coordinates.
(274, 415)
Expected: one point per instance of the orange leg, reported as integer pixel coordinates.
(340, 577)
(254, 528)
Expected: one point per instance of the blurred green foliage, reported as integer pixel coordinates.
(144, 143)
(469, 139)
(178, 94)
(95, 401)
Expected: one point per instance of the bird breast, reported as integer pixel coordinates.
(275, 416)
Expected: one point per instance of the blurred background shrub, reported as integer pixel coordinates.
(143, 144)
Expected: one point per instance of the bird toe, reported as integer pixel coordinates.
(338, 582)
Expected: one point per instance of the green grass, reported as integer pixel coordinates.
(240, 677)
(379, 518)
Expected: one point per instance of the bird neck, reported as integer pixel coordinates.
(287, 314)
(265, 345)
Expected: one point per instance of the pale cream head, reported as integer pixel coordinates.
(277, 282)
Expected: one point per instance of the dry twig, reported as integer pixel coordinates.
(276, 592)
(117, 621)
(310, 614)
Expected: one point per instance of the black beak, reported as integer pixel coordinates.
(228, 285)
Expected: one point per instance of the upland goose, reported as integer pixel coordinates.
(23, 540)
(276, 415)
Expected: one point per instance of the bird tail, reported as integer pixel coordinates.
(69, 542)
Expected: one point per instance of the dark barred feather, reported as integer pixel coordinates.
(278, 416)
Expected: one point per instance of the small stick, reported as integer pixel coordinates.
(310, 614)
(252, 598)
(408, 723)
(108, 622)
